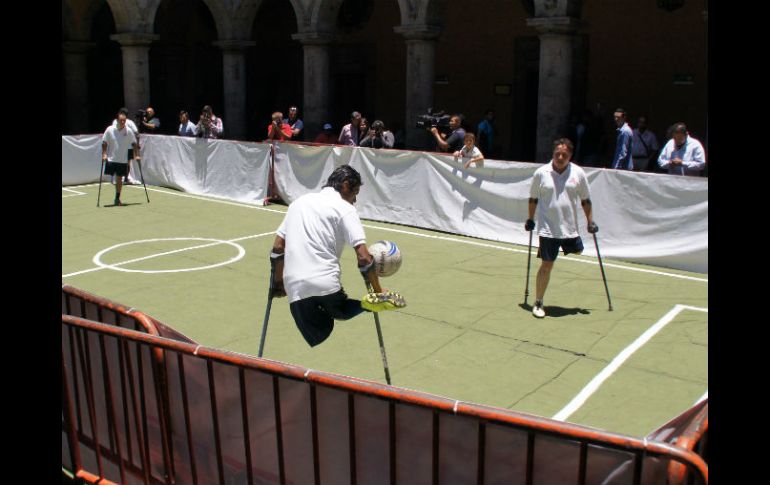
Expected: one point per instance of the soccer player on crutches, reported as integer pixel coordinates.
(557, 187)
(305, 262)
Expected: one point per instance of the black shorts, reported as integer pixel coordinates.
(549, 247)
(114, 168)
(315, 315)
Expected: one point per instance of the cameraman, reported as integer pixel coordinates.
(452, 142)
(378, 136)
(209, 126)
(149, 123)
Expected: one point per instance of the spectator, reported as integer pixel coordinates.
(150, 122)
(645, 146)
(115, 143)
(186, 127)
(590, 142)
(350, 135)
(128, 179)
(297, 126)
(556, 188)
(486, 132)
(470, 152)
(378, 136)
(327, 136)
(455, 140)
(624, 143)
(306, 258)
(363, 128)
(683, 154)
(209, 125)
(279, 129)
(399, 137)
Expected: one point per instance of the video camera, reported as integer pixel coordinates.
(438, 120)
(140, 114)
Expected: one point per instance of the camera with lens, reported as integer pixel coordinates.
(430, 120)
(140, 114)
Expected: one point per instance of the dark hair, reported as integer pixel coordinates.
(621, 110)
(354, 114)
(679, 128)
(183, 112)
(378, 125)
(566, 142)
(341, 174)
(123, 111)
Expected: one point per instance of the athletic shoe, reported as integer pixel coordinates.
(378, 302)
(538, 311)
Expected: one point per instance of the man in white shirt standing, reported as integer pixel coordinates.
(115, 144)
(128, 179)
(306, 258)
(683, 154)
(557, 187)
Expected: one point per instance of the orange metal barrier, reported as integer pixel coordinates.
(231, 418)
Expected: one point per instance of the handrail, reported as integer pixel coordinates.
(487, 414)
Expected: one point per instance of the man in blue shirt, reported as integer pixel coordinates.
(622, 159)
(297, 126)
(186, 127)
(485, 133)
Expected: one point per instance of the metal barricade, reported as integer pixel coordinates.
(232, 418)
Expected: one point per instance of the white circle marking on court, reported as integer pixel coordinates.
(213, 242)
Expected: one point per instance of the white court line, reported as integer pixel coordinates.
(200, 246)
(597, 381)
(75, 193)
(429, 236)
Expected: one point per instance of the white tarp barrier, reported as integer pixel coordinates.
(81, 157)
(220, 168)
(233, 170)
(654, 219)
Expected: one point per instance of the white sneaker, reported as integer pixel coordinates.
(538, 311)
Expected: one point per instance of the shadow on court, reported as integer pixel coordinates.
(124, 204)
(557, 311)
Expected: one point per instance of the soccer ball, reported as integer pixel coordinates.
(387, 257)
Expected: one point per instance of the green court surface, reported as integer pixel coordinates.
(200, 265)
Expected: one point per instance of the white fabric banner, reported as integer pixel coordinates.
(648, 218)
(655, 219)
(234, 170)
(81, 156)
(220, 168)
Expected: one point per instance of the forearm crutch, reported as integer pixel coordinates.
(101, 171)
(529, 259)
(139, 161)
(601, 266)
(370, 288)
(267, 311)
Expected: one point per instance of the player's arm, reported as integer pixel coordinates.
(367, 268)
(276, 261)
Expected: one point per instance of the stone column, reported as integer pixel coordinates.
(420, 77)
(76, 85)
(234, 71)
(554, 89)
(136, 69)
(315, 110)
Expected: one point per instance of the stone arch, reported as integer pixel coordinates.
(422, 12)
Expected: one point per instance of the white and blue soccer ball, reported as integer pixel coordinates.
(387, 257)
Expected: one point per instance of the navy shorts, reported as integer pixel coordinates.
(315, 315)
(549, 247)
(114, 168)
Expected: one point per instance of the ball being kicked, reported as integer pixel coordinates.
(387, 257)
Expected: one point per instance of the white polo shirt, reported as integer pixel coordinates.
(559, 196)
(118, 142)
(317, 227)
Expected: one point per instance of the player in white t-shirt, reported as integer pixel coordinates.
(306, 258)
(557, 187)
(115, 144)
